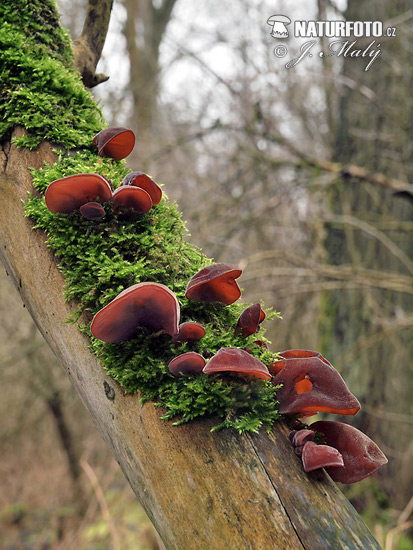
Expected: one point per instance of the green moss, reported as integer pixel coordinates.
(100, 259)
(40, 89)
(42, 92)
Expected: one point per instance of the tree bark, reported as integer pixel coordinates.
(200, 489)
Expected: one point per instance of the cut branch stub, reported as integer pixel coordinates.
(65, 195)
(236, 361)
(150, 305)
(88, 47)
(311, 385)
(187, 363)
(142, 180)
(116, 142)
(361, 456)
(249, 321)
(215, 283)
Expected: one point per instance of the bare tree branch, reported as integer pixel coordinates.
(88, 47)
(379, 235)
(349, 170)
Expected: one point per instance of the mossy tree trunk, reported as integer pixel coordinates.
(144, 30)
(201, 489)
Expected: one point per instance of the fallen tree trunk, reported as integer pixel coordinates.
(201, 490)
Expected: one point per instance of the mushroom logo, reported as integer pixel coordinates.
(279, 30)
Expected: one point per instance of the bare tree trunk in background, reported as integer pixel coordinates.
(367, 333)
(55, 406)
(144, 29)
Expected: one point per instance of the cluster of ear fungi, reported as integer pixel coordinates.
(309, 383)
(87, 193)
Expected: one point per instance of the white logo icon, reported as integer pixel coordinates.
(279, 30)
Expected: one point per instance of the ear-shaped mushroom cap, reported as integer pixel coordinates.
(249, 320)
(310, 385)
(301, 353)
(150, 305)
(189, 332)
(238, 362)
(142, 180)
(92, 211)
(65, 195)
(361, 456)
(131, 199)
(301, 437)
(276, 366)
(115, 142)
(320, 456)
(215, 283)
(187, 363)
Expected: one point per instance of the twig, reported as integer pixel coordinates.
(100, 496)
(408, 510)
(386, 415)
(350, 170)
(395, 531)
(370, 230)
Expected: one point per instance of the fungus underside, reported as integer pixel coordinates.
(43, 93)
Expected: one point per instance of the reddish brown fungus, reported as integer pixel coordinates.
(65, 195)
(132, 200)
(276, 366)
(115, 142)
(299, 353)
(236, 361)
(189, 332)
(150, 305)
(187, 363)
(320, 456)
(215, 283)
(249, 321)
(310, 385)
(361, 456)
(142, 180)
(92, 211)
(301, 437)
(291, 435)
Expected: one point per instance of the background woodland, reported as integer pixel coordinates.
(301, 178)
